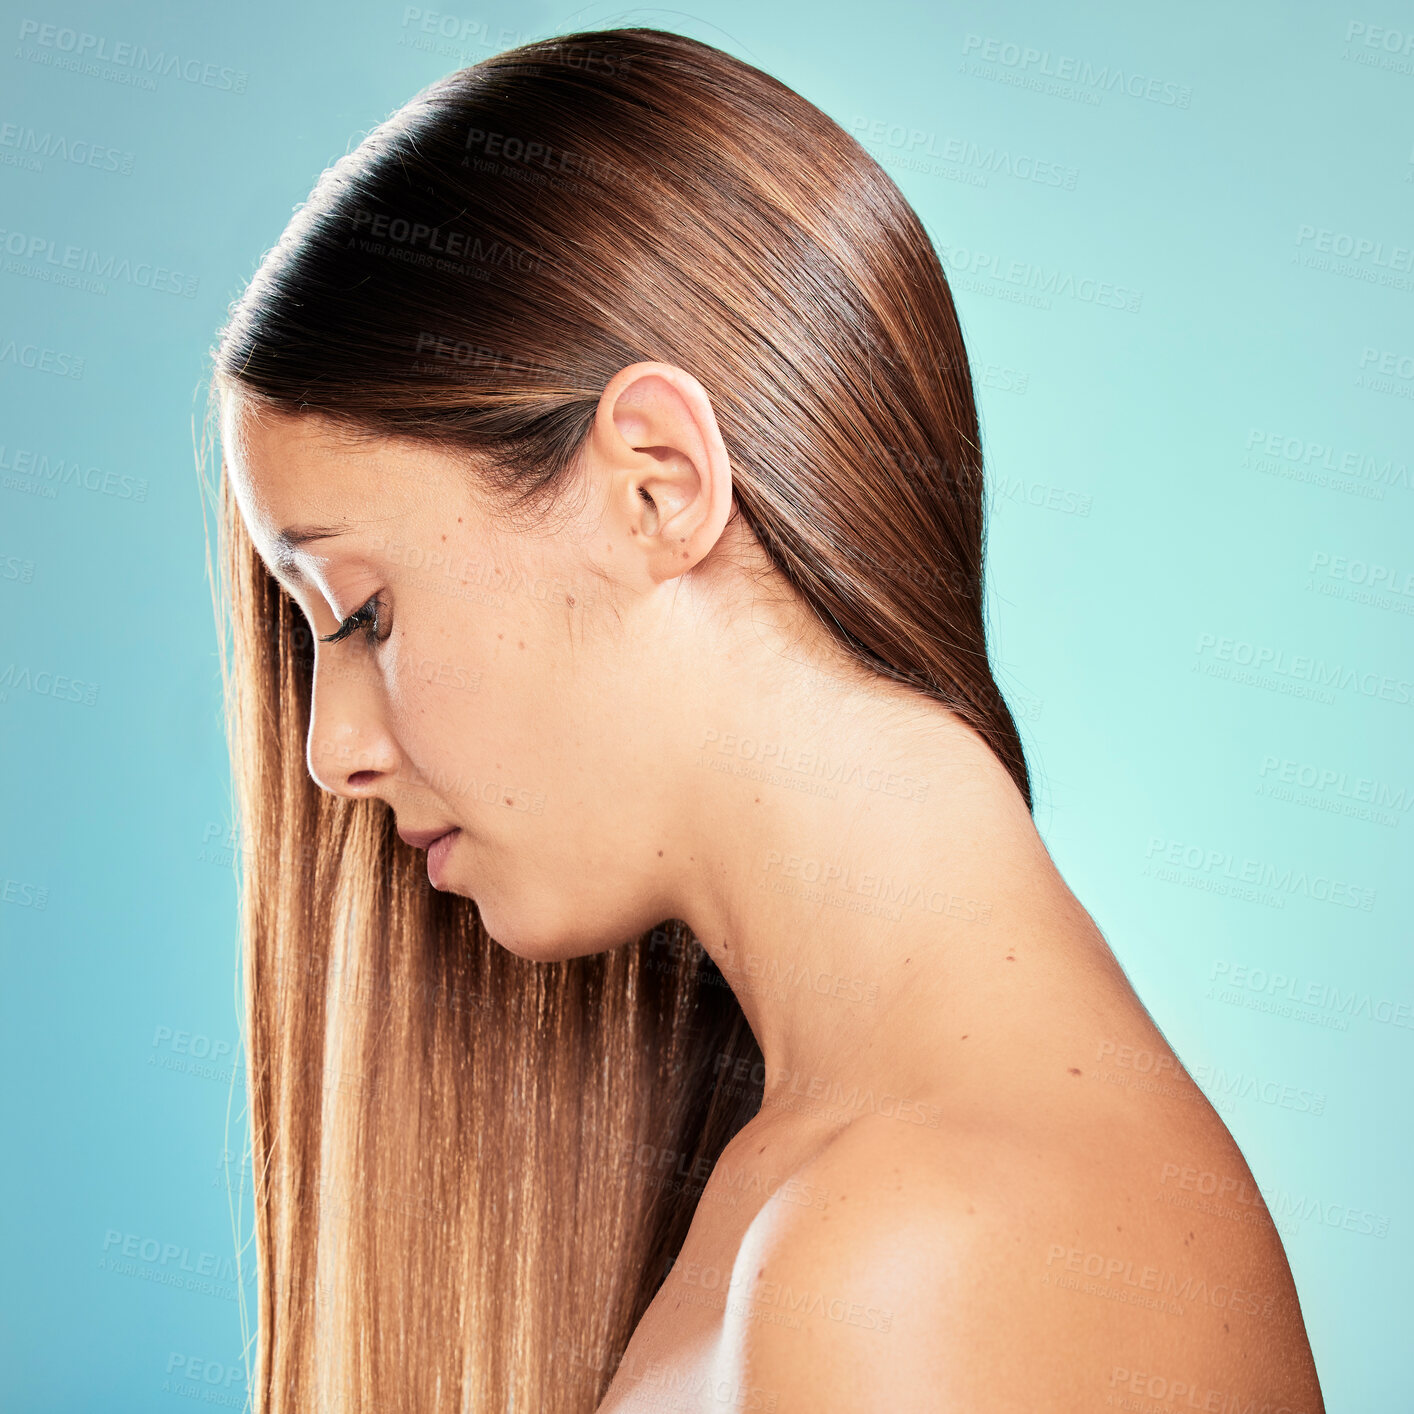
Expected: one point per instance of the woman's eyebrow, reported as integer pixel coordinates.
(293, 536)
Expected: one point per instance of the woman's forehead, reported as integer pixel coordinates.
(300, 478)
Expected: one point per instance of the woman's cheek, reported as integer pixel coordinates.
(425, 684)
(437, 676)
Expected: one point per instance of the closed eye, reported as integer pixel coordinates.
(369, 614)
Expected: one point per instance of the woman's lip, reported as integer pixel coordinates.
(420, 839)
(437, 853)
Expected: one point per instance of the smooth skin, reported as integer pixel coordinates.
(976, 1180)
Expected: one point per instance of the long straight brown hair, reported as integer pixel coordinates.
(472, 1172)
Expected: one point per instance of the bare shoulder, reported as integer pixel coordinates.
(832, 1303)
(987, 1269)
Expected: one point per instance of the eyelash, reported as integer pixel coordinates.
(370, 614)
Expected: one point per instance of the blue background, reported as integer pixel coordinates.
(1197, 415)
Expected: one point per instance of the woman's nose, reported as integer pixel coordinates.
(350, 751)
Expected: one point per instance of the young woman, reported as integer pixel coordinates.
(602, 513)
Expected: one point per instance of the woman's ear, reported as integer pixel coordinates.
(656, 450)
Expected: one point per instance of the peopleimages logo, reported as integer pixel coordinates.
(176, 1256)
(1303, 458)
(63, 47)
(1182, 1290)
(1222, 656)
(784, 1084)
(32, 148)
(42, 257)
(986, 158)
(37, 469)
(1219, 1084)
(1287, 991)
(1362, 789)
(1283, 880)
(59, 362)
(1027, 60)
(20, 678)
(399, 231)
(981, 269)
(1356, 247)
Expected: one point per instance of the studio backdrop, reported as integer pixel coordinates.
(1180, 243)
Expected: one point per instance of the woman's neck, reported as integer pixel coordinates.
(873, 888)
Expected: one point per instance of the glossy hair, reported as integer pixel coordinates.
(472, 1172)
